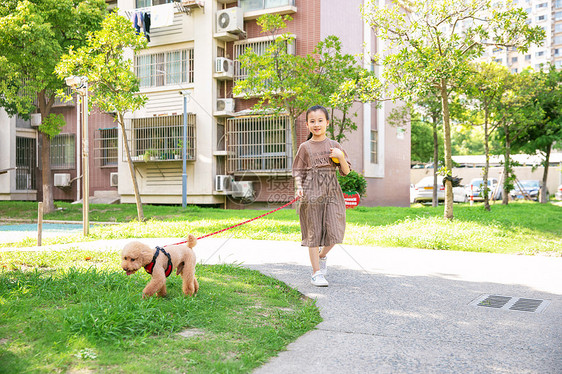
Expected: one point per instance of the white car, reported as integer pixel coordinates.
(558, 193)
(423, 190)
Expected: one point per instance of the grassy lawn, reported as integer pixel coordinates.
(520, 227)
(76, 311)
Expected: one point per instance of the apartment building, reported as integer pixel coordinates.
(234, 156)
(548, 15)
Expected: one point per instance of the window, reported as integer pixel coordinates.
(558, 64)
(539, 54)
(259, 48)
(558, 4)
(258, 144)
(164, 69)
(558, 27)
(514, 71)
(513, 60)
(25, 163)
(498, 61)
(557, 16)
(106, 146)
(541, 5)
(557, 39)
(541, 18)
(374, 136)
(527, 57)
(161, 138)
(557, 51)
(63, 151)
(250, 5)
(147, 3)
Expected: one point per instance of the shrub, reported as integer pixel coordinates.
(353, 182)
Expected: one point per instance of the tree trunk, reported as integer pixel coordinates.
(448, 213)
(46, 175)
(506, 167)
(485, 188)
(435, 199)
(140, 213)
(293, 124)
(543, 197)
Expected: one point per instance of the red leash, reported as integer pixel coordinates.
(241, 223)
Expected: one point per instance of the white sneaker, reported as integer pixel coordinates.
(318, 280)
(324, 265)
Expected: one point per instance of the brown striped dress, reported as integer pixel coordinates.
(322, 208)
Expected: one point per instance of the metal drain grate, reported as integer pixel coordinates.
(511, 303)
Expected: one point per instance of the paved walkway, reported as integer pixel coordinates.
(400, 310)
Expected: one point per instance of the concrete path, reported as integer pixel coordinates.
(400, 310)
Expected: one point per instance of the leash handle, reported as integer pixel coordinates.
(241, 223)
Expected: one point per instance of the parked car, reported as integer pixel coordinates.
(423, 190)
(558, 193)
(476, 190)
(531, 188)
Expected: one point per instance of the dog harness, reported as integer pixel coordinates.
(149, 267)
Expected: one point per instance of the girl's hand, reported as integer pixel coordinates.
(299, 193)
(337, 153)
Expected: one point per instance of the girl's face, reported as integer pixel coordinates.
(317, 124)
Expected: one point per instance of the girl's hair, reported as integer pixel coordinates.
(314, 109)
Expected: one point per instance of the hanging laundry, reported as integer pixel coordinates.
(146, 23)
(137, 21)
(162, 15)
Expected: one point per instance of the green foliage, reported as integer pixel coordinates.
(286, 83)
(113, 83)
(77, 308)
(353, 182)
(33, 36)
(52, 125)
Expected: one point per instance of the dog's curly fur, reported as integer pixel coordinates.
(135, 255)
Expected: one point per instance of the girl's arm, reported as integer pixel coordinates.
(299, 192)
(338, 153)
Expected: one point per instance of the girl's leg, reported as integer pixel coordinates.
(325, 250)
(314, 259)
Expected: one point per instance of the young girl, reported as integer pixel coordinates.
(322, 207)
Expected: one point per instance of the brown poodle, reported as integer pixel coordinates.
(160, 263)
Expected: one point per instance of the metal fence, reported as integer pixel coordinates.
(26, 163)
(258, 144)
(161, 138)
(106, 146)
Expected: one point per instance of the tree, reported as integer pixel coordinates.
(545, 132)
(33, 36)
(430, 43)
(291, 84)
(483, 94)
(517, 110)
(113, 84)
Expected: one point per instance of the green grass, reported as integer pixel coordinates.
(520, 227)
(76, 311)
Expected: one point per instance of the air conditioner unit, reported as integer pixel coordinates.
(223, 183)
(242, 189)
(113, 179)
(35, 119)
(225, 105)
(230, 20)
(62, 180)
(224, 65)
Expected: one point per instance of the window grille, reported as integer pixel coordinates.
(164, 69)
(374, 138)
(161, 138)
(63, 151)
(147, 3)
(26, 163)
(259, 47)
(250, 5)
(106, 144)
(259, 144)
